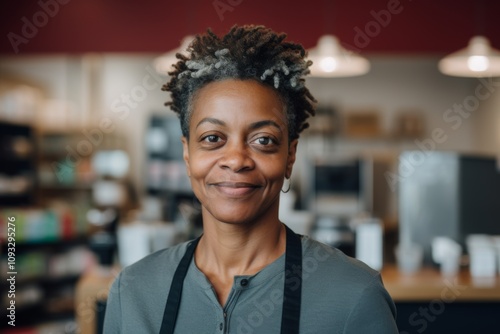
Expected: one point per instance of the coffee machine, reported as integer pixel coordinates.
(341, 189)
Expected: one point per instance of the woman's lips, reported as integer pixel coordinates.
(235, 189)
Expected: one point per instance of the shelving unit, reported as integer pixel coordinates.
(17, 164)
(44, 291)
(51, 234)
(63, 171)
(166, 176)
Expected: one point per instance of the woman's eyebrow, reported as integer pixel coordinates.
(210, 120)
(260, 124)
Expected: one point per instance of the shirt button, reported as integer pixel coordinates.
(244, 282)
(221, 326)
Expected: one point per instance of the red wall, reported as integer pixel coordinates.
(421, 26)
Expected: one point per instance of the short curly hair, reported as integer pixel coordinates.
(247, 53)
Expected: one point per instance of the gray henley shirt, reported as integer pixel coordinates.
(339, 295)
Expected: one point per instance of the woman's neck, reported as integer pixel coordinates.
(227, 250)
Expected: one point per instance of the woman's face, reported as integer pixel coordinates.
(238, 152)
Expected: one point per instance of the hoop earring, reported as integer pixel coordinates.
(289, 183)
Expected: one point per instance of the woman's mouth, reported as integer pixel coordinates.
(235, 189)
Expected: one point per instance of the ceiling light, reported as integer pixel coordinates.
(478, 59)
(330, 59)
(163, 64)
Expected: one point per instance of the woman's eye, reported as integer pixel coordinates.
(211, 139)
(264, 141)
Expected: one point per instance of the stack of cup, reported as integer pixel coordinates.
(496, 242)
(409, 257)
(447, 253)
(482, 253)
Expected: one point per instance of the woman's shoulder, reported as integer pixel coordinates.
(334, 264)
(160, 262)
(344, 291)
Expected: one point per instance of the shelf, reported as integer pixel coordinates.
(169, 191)
(69, 131)
(17, 158)
(13, 200)
(14, 194)
(13, 159)
(74, 241)
(64, 187)
(36, 314)
(15, 123)
(374, 138)
(45, 281)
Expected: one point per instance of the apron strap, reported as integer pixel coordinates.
(290, 318)
(174, 295)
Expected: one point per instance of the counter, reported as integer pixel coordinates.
(428, 284)
(429, 303)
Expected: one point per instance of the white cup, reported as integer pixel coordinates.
(409, 257)
(447, 253)
(482, 253)
(496, 242)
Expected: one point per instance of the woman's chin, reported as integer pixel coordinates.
(231, 219)
(232, 215)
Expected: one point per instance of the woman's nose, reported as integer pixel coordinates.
(236, 157)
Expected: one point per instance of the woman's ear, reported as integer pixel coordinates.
(292, 153)
(185, 154)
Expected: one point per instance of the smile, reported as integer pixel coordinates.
(235, 189)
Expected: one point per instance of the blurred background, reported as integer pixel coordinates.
(400, 167)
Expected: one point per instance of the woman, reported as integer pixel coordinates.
(242, 103)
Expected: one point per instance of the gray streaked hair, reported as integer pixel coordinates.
(245, 53)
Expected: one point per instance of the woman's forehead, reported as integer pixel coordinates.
(238, 98)
(239, 88)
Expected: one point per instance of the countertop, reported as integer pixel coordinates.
(428, 284)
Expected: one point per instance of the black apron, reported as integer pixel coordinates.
(290, 317)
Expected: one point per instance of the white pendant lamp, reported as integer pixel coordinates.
(164, 63)
(478, 59)
(330, 59)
